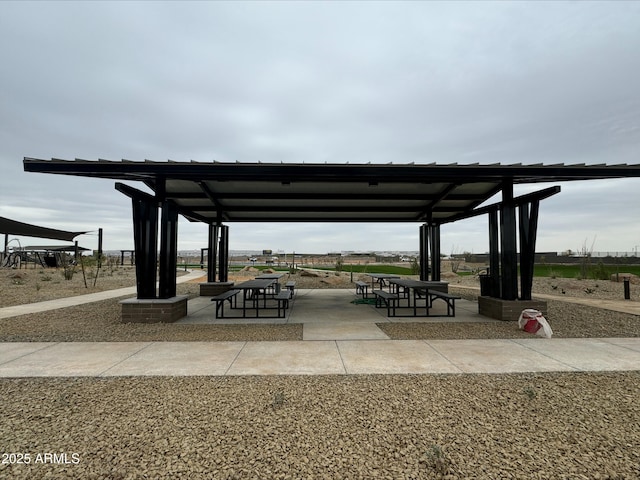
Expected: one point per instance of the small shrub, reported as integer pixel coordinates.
(530, 393)
(68, 272)
(437, 460)
(278, 399)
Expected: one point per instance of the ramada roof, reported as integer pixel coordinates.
(214, 192)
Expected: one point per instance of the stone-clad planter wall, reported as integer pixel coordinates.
(508, 310)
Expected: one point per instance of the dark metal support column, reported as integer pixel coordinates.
(434, 234)
(494, 254)
(168, 250)
(424, 253)
(528, 232)
(213, 253)
(224, 253)
(145, 239)
(508, 230)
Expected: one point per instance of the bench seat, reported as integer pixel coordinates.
(448, 298)
(223, 297)
(283, 301)
(390, 300)
(362, 288)
(290, 285)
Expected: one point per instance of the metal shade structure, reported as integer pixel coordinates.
(428, 194)
(267, 192)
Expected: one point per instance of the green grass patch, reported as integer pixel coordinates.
(594, 270)
(391, 269)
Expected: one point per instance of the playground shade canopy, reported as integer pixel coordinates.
(13, 227)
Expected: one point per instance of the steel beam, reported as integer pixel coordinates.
(424, 253)
(213, 253)
(494, 255)
(145, 239)
(434, 240)
(509, 267)
(528, 232)
(224, 254)
(168, 250)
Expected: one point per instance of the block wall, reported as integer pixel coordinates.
(508, 310)
(154, 310)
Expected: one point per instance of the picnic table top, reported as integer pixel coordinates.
(256, 283)
(383, 275)
(275, 276)
(411, 283)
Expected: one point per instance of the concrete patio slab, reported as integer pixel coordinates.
(12, 351)
(331, 305)
(288, 358)
(393, 356)
(586, 353)
(497, 356)
(179, 359)
(342, 331)
(71, 359)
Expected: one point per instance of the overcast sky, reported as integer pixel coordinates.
(487, 82)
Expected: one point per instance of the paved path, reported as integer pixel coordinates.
(100, 359)
(16, 310)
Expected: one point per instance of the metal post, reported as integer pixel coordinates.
(213, 253)
(224, 253)
(99, 248)
(528, 230)
(494, 255)
(434, 234)
(145, 239)
(424, 253)
(168, 250)
(509, 267)
(627, 289)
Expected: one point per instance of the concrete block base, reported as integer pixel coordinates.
(508, 310)
(211, 289)
(154, 310)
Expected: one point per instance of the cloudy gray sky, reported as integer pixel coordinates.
(487, 82)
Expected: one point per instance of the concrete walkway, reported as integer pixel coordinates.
(27, 308)
(339, 337)
(98, 359)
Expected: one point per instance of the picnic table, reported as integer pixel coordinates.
(381, 278)
(272, 276)
(418, 289)
(252, 290)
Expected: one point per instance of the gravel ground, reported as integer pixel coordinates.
(531, 426)
(527, 426)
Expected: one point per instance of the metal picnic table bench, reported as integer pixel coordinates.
(415, 290)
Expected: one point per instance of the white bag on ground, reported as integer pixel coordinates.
(533, 321)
